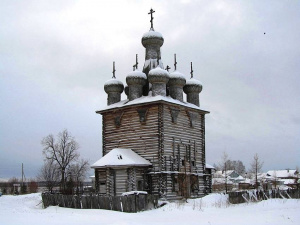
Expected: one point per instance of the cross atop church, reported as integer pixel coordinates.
(135, 66)
(114, 70)
(175, 62)
(167, 68)
(151, 21)
(192, 70)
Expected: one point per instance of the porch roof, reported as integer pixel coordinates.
(121, 157)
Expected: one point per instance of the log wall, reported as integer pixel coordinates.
(141, 137)
(184, 140)
(170, 136)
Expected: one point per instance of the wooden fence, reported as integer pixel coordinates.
(253, 195)
(129, 203)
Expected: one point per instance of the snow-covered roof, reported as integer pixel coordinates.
(288, 181)
(121, 157)
(208, 166)
(239, 178)
(247, 181)
(221, 181)
(221, 173)
(134, 193)
(148, 99)
(282, 173)
(3, 180)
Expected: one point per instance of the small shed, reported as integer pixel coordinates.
(209, 170)
(120, 170)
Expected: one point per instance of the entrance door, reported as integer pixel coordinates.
(184, 182)
(120, 181)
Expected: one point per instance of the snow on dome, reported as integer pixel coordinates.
(137, 74)
(152, 34)
(177, 75)
(152, 38)
(158, 76)
(121, 157)
(113, 82)
(193, 82)
(158, 72)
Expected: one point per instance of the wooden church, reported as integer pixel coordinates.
(153, 141)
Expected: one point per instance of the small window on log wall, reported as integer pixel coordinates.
(140, 185)
(102, 187)
(193, 117)
(142, 114)
(117, 118)
(174, 114)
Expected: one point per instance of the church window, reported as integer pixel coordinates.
(142, 114)
(174, 114)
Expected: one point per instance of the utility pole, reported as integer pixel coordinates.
(22, 174)
(23, 188)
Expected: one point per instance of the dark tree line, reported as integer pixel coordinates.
(228, 164)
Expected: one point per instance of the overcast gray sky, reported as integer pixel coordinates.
(56, 55)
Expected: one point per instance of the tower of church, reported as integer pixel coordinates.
(153, 141)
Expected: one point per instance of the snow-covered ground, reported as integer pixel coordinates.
(212, 209)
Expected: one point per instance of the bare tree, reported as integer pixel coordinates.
(63, 152)
(256, 166)
(217, 167)
(78, 171)
(49, 173)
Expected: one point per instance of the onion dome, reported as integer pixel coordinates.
(177, 79)
(152, 38)
(113, 85)
(176, 82)
(192, 89)
(136, 77)
(159, 78)
(193, 85)
(135, 80)
(158, 75)
(113, 88)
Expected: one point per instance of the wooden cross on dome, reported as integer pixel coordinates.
(175, 62)
(114, 70)
(192, 70)
(135, 66)
(151, 12)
